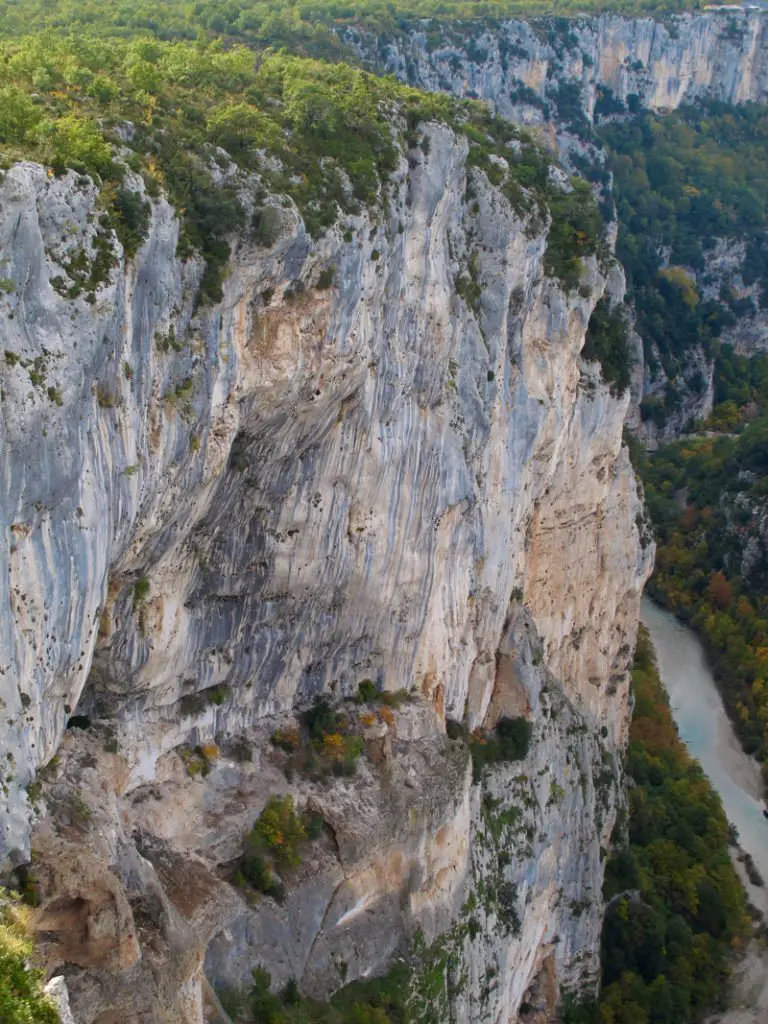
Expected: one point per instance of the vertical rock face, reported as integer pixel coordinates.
(559, 74)
(213, 514)
(717, 55)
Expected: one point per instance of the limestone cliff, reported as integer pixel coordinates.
(520, 65)
(214, 513)
(561, 75)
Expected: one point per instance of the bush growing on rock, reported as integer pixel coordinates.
(514, 738)
(140, 590)
(510, 742)
(607, 343)
(327, 743)
(218, 694)
(455, 730)
(367, 692)
(22, 1000)
(376, 1001)
(282, 830)
(276, 841)
(287, 739)
(195, 761)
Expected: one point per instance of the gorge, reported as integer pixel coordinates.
(362, 460)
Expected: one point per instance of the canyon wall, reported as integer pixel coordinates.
(559, 76)
(342, 471)
(213, 514)
(514, 65)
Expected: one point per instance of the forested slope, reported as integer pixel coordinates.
(308, 27)
(675, 908)
(691, 190)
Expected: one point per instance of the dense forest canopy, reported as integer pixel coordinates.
(172, 112)
(683, 181)
(283, 22)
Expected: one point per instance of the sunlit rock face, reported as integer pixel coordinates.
(214, 513)
(560, 76)
(717, 55)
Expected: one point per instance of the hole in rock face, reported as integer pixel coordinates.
(79, 722)
(238, 453)
(65, 921)
(455, 730)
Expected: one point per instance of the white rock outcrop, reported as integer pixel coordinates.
(715, 55)
(213, 514)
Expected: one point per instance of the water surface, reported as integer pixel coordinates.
(706, 730)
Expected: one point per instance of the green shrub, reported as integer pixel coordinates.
(281, 830)
(19, 115)
(195, 762)
(234, 1001)
(468, 287)
(240, 750)
(277, 840)
(380, 1000)
(238, 453)
(218, 694)
(266, 225)
(35, 791)
(325, 278)
(510, 742)
(367, 692)
(265, 1006)
(130, 219)
(455, 730)
(394, 698)
(326, 743)
(192, 704)
(140, 590)
(575, 232)
(77, 142)
(514, 737)
(607, 342)
(255, 871)
(287, 739)
(320, 719)
(22, 1000)
(315, 825)
(111, 745)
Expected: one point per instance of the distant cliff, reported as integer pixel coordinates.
(719, 55)
(563, 76)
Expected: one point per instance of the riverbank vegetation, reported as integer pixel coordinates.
(676, 909)
(708, 499)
